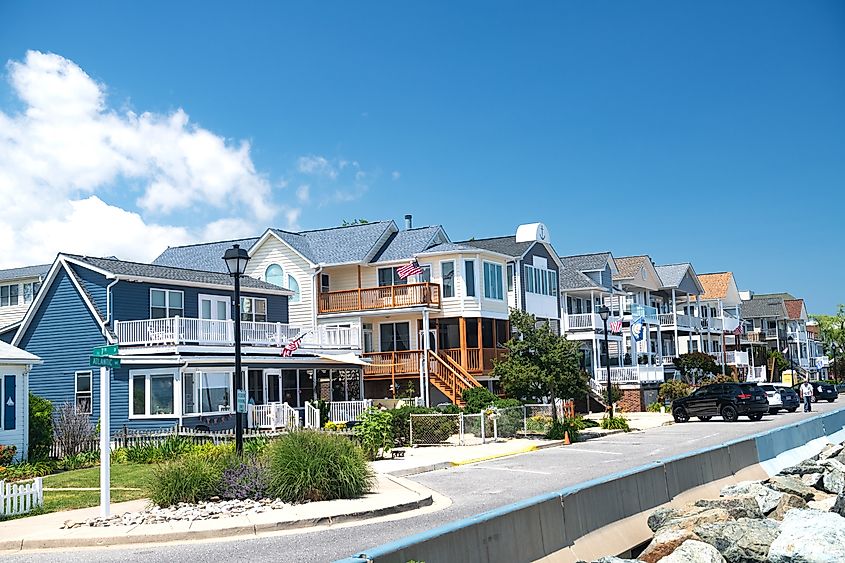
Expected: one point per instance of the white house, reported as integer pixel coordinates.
(14, 389)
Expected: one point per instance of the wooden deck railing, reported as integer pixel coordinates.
(376, 298)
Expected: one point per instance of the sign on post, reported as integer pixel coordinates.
(241, 406)
(109, 350)
(101, 361)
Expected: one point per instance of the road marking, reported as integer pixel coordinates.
(702, 437)
(571, 449)
(513, 470)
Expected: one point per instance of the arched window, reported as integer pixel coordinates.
(275, 275)
(293, 285)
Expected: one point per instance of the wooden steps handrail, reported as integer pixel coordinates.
(468, 378)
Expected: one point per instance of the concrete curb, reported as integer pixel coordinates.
(211, 529)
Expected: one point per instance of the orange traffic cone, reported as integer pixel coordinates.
(566, 441)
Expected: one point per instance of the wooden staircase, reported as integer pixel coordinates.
(449, 377)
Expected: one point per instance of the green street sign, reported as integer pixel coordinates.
(104, 350)
(100, 361)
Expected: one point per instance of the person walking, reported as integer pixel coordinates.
(807, 395)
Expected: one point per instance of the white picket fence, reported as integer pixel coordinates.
(20, 498)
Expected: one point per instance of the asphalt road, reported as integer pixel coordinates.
(473, 489)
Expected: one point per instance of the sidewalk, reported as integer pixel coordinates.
(429, 458)
(392, 495)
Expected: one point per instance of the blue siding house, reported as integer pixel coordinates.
(175, 337)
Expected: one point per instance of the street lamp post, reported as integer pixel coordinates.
(835, 370)
(789, 340)
(236, 259)
(604, 313)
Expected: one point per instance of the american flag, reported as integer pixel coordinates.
(292, 346)
(615, 326)
(412, 268)
(739, 329)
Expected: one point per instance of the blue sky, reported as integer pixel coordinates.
(705, 132)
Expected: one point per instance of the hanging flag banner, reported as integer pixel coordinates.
(637, 328)
(412, 268)
(292, 345)
(615, 326)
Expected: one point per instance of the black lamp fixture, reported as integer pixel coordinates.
(604, 313)
(236, 259)
(789, 340)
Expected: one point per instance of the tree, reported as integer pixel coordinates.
(780, 363)
(832, 332)
(540, 364)
(349, 223)
(695, 365)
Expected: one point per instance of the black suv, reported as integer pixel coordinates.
(728, 400)
(821, 391)
(789, 398)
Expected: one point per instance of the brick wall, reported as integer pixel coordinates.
(631, 401)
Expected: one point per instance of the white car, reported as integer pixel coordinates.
(774, 398)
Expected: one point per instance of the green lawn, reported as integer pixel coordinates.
(128, 475)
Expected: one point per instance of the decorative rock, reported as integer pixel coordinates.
(185, 512)
(690, 521)
(839, 505)
(787, 502)
(809, 536)
(767, 498)
(693, 551)
(665, 542)
(803, 468)
(743, 541)
(812, 479)
(659, 517)
(737, 506)
(611, 559)
(792, 485)
(833, 481)
(832, 450)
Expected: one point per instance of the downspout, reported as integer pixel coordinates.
(108, 306)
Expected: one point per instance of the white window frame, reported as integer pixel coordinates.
(147, 373)
(254, 300)
(8, 287)
(77, 392)
(281, 268)
(197, 378)
(451, 281)
(471, 262)
(501, 289)
(297, 294)
(426, 273)
(167, 307)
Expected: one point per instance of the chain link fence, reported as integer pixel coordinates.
(435, 429)
(490, 425)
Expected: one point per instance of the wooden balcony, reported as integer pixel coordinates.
(380, 298)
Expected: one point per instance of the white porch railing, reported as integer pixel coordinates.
(344, 411)
(666, 360)
(180, 330)
(630, 374)
(272, 416)
(312, 416)
(666, 319)
(20, 498)
(581, 321)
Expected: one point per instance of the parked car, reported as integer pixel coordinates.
(728, 400)
(821, 391)
(773, 396)
(790, 399)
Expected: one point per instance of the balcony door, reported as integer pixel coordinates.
(214, 327)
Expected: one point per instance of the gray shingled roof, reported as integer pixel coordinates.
(25, 272)
(337, 245)
(402, 245)
(764, 306)
(586, 262)
(452, 247)
(573, 279)
(168, 273)
(628, 266)
(503, 245)
(671, 275)
(207, 256)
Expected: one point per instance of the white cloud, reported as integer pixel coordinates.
(319, 166)
(67, 151)
(303, 193)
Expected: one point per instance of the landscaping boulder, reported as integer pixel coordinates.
(792, 485)
(737, 506)
(767, 498)
(659, 517)
(839, 505)
(690, 520)
(787, 501)
(665, 541)
(809, 536)
(694, 551)
(825, 504)
(746, 540)
(812, 480)
(830, 451)
(833, 481)
(612, 559)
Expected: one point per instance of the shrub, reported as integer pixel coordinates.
(71, 430)
(558, 430)
(245, 479)
(654, 407)
(615, 394)
(173, 447)
(217, 453)
(313, 466)
(615, 423)
(706, 380)
(26, 470)
(142, 454)
(672, 390)
(118, 456)
(80, 460)
(538, 424)
(7, 454)
(375, 432)
(334, 426)
(40, 427)
(323, 407)
(477, 398)
(254, 447)
(187, 479)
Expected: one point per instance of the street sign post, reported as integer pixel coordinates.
(100, 358)
(101, 361)
(110, 350)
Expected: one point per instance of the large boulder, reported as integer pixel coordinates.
(693, 551)
(743, 541)
(786, 503)
(809, 536)
(665, 541)
(825, 504)
(833, 481)
(830, 451)
(767, 498)
(802, 468)
(737, 506)
(792, 485)
(812, 480)
(659, 517)
(839, 505)
(690, 520)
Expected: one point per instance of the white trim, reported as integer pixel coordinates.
(174, 372)
(269, 233)
(86, 265)
(503, 288)
(90, 391)
(213, 299)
